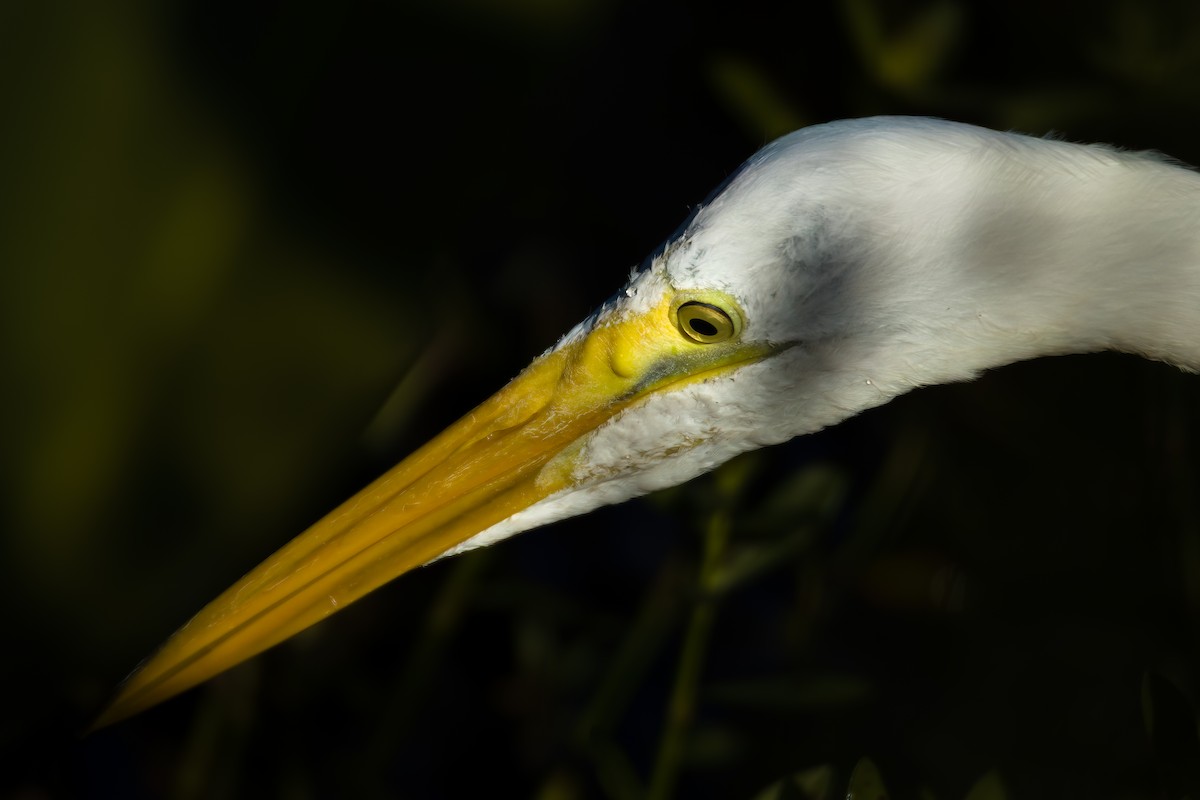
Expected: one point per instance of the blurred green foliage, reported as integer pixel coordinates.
(252, 253)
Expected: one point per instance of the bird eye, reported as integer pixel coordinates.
(704, 323)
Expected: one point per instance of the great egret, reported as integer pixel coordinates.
(839, 267)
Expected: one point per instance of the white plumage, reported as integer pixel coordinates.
(892, 253)
(841, 266)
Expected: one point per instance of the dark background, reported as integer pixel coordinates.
(252, 253)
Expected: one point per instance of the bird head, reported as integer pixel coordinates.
(825, 277)
(643, 394)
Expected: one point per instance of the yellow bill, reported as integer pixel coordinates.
(513, 451)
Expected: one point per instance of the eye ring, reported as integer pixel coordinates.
(704, 323)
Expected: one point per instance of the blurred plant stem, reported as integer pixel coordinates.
(638, 652)
(400, 708)
(682, 706)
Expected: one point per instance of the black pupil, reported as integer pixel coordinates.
(702, 327)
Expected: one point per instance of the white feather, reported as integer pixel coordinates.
(895, 253)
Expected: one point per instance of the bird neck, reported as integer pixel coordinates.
(1084, 249)
(1142, 260)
